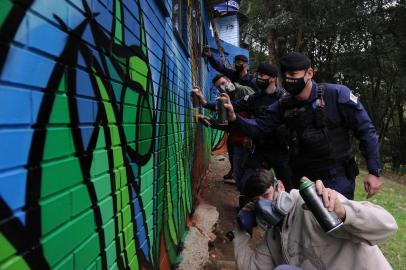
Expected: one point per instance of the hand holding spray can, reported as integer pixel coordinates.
(221, 111)
(327, 220)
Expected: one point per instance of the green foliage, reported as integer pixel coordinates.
(360, 43)
(392, 197)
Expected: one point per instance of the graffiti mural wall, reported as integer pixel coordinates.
(101, 158)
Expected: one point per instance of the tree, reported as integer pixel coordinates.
(355, 42)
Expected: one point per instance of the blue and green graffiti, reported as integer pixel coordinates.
(99, 146)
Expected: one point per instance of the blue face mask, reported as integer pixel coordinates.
(272, 212)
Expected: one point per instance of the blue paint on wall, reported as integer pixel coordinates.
(26, 77)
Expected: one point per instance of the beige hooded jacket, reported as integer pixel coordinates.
(300, 241)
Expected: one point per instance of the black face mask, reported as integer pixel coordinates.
(294, 85)
(262, 84)
(239, 67)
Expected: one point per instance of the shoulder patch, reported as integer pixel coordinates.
(348, 98)
(353, 98)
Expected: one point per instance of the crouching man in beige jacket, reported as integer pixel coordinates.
(297, 239)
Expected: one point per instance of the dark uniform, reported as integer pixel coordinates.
(234, 141)
(269, 152)
(233, 74)
(319, 140)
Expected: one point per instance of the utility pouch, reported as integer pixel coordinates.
(316, 142)
(293, 143)
(319, 117)
(351, 169)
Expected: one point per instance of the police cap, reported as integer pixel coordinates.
(241, 57)
(267, 69)
(294, 61)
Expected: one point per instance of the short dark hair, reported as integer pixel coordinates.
(258, 183)
(218, 77)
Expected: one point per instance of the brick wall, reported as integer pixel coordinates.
(100, 156)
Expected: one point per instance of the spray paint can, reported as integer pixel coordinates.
(205, 122)
(195, 99)
(327, 220)
(221, 111)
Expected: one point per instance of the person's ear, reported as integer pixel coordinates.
(310, 73)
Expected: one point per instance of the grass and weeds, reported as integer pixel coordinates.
(392, 197)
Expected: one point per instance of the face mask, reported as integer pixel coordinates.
(226, 88)
(262, 84)
(272, 212)
(239, 67)
(222, 88)
(230, 87)
(294, 85)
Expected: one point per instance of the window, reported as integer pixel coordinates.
(179, 21)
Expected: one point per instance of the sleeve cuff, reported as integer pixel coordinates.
(350, 213)
(237, 119)
(210, 105)
(373, 164)
(240, 236)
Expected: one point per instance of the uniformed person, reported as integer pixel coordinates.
(272, 151)
(319, 119)
(235, 140)
(238, 75)
(268, 153)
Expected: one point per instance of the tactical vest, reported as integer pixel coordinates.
(277, 140)
(315, 143)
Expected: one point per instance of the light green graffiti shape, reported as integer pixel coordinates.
(60, 219)
(180, 178)
(8, 251)
(187, 151)
(137, 116)
(123, 217)
(139, 71)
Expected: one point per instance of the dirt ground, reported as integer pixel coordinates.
(224, 197)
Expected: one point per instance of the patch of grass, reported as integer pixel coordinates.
(392, 197)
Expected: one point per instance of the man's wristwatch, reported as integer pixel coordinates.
(376, 172)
